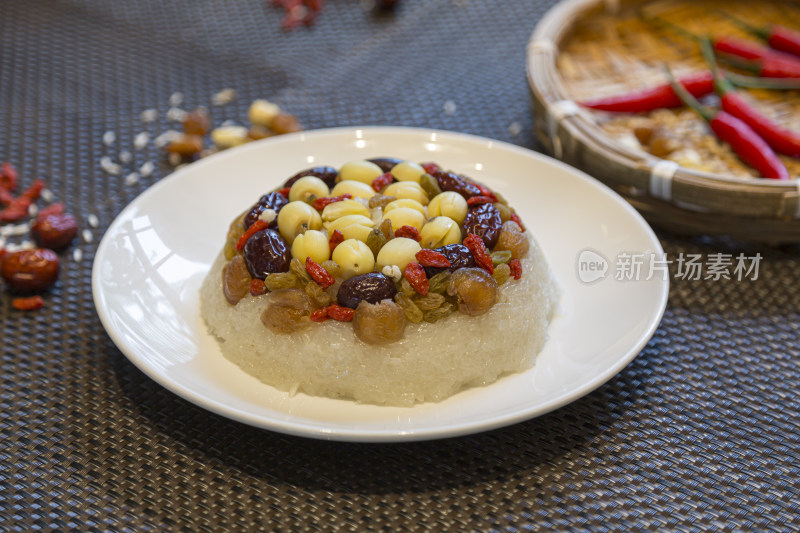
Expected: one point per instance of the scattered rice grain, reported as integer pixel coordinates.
(176, 99)
(146, 169)
(223, 97)
(176, 114)
(515, 128)
(449, 107)
(132, 178)
(109, 138)
(109, 167)
(93, 221)
(87, 236)
(47, 195)
(32, 210)
(14, 230)
(167, 137)
(125, 156)
(149, 115)
(77, 255)
(141, 140)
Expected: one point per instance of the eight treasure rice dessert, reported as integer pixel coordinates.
(385, 281)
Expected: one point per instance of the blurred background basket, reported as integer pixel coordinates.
(588, 48)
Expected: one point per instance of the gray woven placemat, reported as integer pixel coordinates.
(699, 432)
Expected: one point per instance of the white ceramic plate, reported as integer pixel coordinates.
(151, 261)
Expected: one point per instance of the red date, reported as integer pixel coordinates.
(30, 271)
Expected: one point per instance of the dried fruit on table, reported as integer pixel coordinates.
(29, 271)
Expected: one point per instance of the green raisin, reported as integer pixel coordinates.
(410, 309)
(429, 302)
(380, 200)
(501, 273)
(281, 280)
(438, 283)
(500, 257)
(375, 241)
(319, 298)
(299, 269)
(332, 267)
(439, 313)
(430, 185)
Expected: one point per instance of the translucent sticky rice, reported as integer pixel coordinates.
(431, 362)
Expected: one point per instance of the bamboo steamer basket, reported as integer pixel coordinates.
(674, 197)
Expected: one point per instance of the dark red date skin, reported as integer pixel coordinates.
(458, 255)
(484, 221)
(386, 163)
(30, 271)
(55, 231)
(372, 287)
(271, 200)
(449, 181)
(266, 252)
(326, 174)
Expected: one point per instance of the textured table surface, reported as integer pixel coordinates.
(701, 431)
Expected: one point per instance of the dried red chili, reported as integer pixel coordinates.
(747, 144)
(382, 181)
(320, 203)
(415, 275)
(336, 238)
(479, 252)
(27, 303)
(660, 97)
(516, 268)
(319, 274)
(782, 140)
(432, 258)
(257, 287)
(257, 226)
(409, 232)
(482, 199)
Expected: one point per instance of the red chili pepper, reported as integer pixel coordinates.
(28, 303)
(430, 168)
(698, 84)
(320, 203)
(8, 176)
(478, 200)
(382, 181)
(432, 258)
(336, 238)
(751, 148)
(409, 232)
(767, 67)
(516, 268)
(479, 252)
(778, 37)
(782, 140)
(416, 277)
(257, 287)
(257, 226)
(319, 274)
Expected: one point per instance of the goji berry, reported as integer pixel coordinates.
(516, 268)
(478, 200)
(6, 197)
(382, 181)
(8, 176)
(336, 238)
(485, 191)
(257, 226)
(416, 277)
(257, 287)
(409, 232)
(515, 218)
(342, 314)
(320, 203)
(430, 168)
(479, 252)
(319, 274)
(432, 258)
(284, 192)
(16, 211)
(28, 303)
(33, 191)
(319, 315)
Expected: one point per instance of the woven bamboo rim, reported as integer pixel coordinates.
(679, 199)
